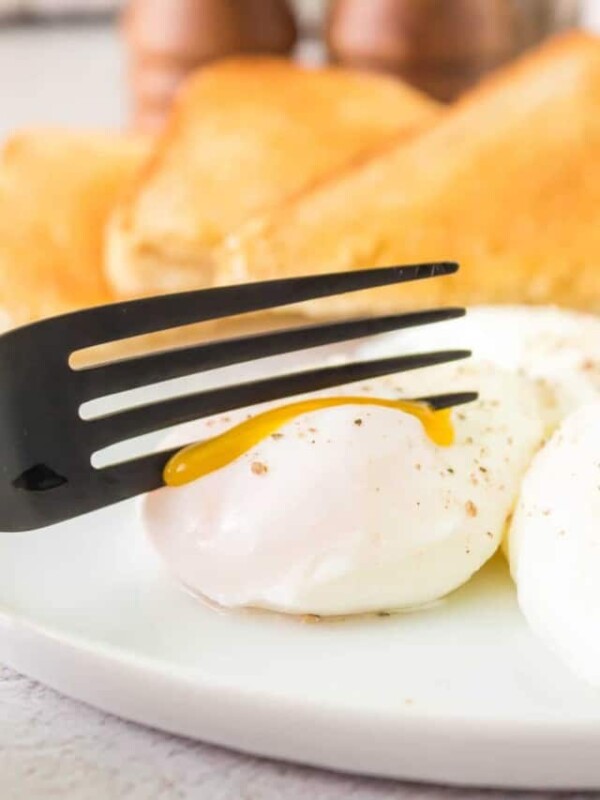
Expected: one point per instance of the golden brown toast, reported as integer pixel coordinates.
(507, 183)
(244, 135)
(56, 191)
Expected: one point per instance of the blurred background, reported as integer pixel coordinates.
(105, 63)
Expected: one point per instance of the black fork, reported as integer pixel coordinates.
(45, 445)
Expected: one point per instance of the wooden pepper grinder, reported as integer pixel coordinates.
(166, 39)
(440, 46)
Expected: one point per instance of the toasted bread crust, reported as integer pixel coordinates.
(56, 192)
(507, 182)
(245, 135)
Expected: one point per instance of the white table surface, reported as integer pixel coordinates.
(53, 747)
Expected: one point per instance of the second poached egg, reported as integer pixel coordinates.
(554, 543)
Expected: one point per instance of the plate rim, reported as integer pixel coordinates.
(497, 753)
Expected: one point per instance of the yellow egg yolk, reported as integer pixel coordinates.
(207, 456)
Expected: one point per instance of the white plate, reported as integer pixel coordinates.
(459, 693)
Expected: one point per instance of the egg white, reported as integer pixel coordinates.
(354, 509)
(558, 349)
(554, 544)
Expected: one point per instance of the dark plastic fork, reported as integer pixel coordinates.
(46, 446)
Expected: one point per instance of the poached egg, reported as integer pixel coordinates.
(353, 508)
(554, 544)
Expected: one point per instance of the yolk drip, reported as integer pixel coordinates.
(201, 459)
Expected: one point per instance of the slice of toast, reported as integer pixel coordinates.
(507, 183)
(56, 191)
(244, 135)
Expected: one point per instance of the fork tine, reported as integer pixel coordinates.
(134, 372)
(103, 431)
(440, 401)
(130, 478)
(137, 317)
